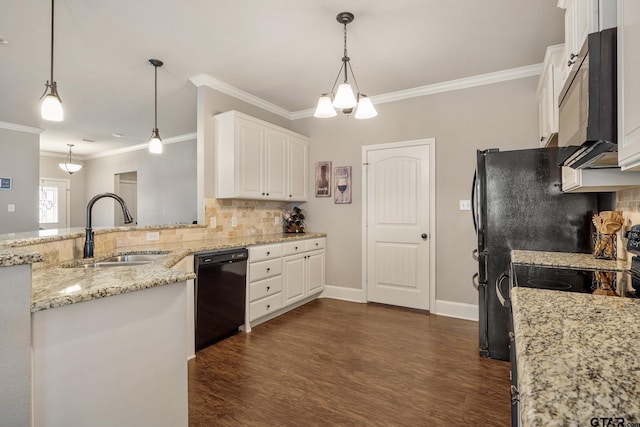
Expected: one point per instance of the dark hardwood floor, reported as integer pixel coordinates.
(339, 363)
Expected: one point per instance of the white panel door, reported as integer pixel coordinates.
(297, 163)
(398, 226)
(315, 271)
(54, 203)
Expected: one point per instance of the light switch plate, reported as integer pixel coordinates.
(465, 205)
(11, 208)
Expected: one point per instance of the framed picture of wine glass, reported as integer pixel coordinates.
(342, 186)
(323, 179)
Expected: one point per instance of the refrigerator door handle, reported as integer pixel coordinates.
(475, 282)
(473, 203)
(504, 301)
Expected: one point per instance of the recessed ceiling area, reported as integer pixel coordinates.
(286, 52)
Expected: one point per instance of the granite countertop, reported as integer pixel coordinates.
(61, 285)
(567, 260)
(10, 256)
(577, 357)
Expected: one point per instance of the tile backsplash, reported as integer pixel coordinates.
(252, 216)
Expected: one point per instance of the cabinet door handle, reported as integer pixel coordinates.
(267, 194)
(268, 269)
(542, 138)
(290, 195)
(268, 253)
(268, 287)
(268, 306)
(263, 194)
(296, 248)
(317, 244)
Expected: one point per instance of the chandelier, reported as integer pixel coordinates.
(345, 100)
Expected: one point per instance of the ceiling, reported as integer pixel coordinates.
(284, 51)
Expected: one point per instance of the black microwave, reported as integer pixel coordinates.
(588, 116)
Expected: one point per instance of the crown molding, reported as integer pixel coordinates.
(463, 83)
(20, 128)
(143, 146)
(226, 88)
(61, 155)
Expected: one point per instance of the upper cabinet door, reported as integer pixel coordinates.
(629, 84)
(250, 146)
(298, 170)
(275, 164)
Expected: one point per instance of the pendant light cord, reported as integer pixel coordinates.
(52, 10)
(155, 67)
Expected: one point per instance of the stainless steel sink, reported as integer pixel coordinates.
(124, 261)
(134, 258)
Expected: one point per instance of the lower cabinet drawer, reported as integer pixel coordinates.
(264, 288)
(263, 269)
(265, 306)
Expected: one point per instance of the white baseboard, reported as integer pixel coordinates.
(456, 309)
(443, 308)
(345, 294)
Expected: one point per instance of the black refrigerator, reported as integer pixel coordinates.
(518, 203)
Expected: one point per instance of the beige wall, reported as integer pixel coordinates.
(503, 115)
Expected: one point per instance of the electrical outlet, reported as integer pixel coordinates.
(465, 205)
(213, 222)
(234, 221)
(11, 208)
(277, 219)
(153, 235)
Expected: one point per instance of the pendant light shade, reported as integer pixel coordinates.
(51, 107)
(365, 108)
(155, 142)
(325, 107)
(70, 166)
(345, 99)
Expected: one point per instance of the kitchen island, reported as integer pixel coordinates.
(577, 358)
(108, 344)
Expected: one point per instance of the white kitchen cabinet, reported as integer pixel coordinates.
(549, 86)
(297, 168)
(581, 18)
(258, 160)
(303, 269)
(283, 276)
(629, 84)
(597, 180)
(264, 294)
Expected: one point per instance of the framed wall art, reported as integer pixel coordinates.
(342, 186)
(323, 179)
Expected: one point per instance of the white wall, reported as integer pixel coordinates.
(502, 115)
(19, 159)
(166, 184)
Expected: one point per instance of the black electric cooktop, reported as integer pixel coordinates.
(600, 282)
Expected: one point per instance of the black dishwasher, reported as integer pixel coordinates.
(220, 294)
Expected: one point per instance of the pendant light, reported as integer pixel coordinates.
(51, 107)
(155, 143)
(345, 99)
(69, 165)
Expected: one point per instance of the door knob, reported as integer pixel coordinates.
(424, 236)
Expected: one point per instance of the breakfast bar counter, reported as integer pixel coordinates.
(577, 358)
